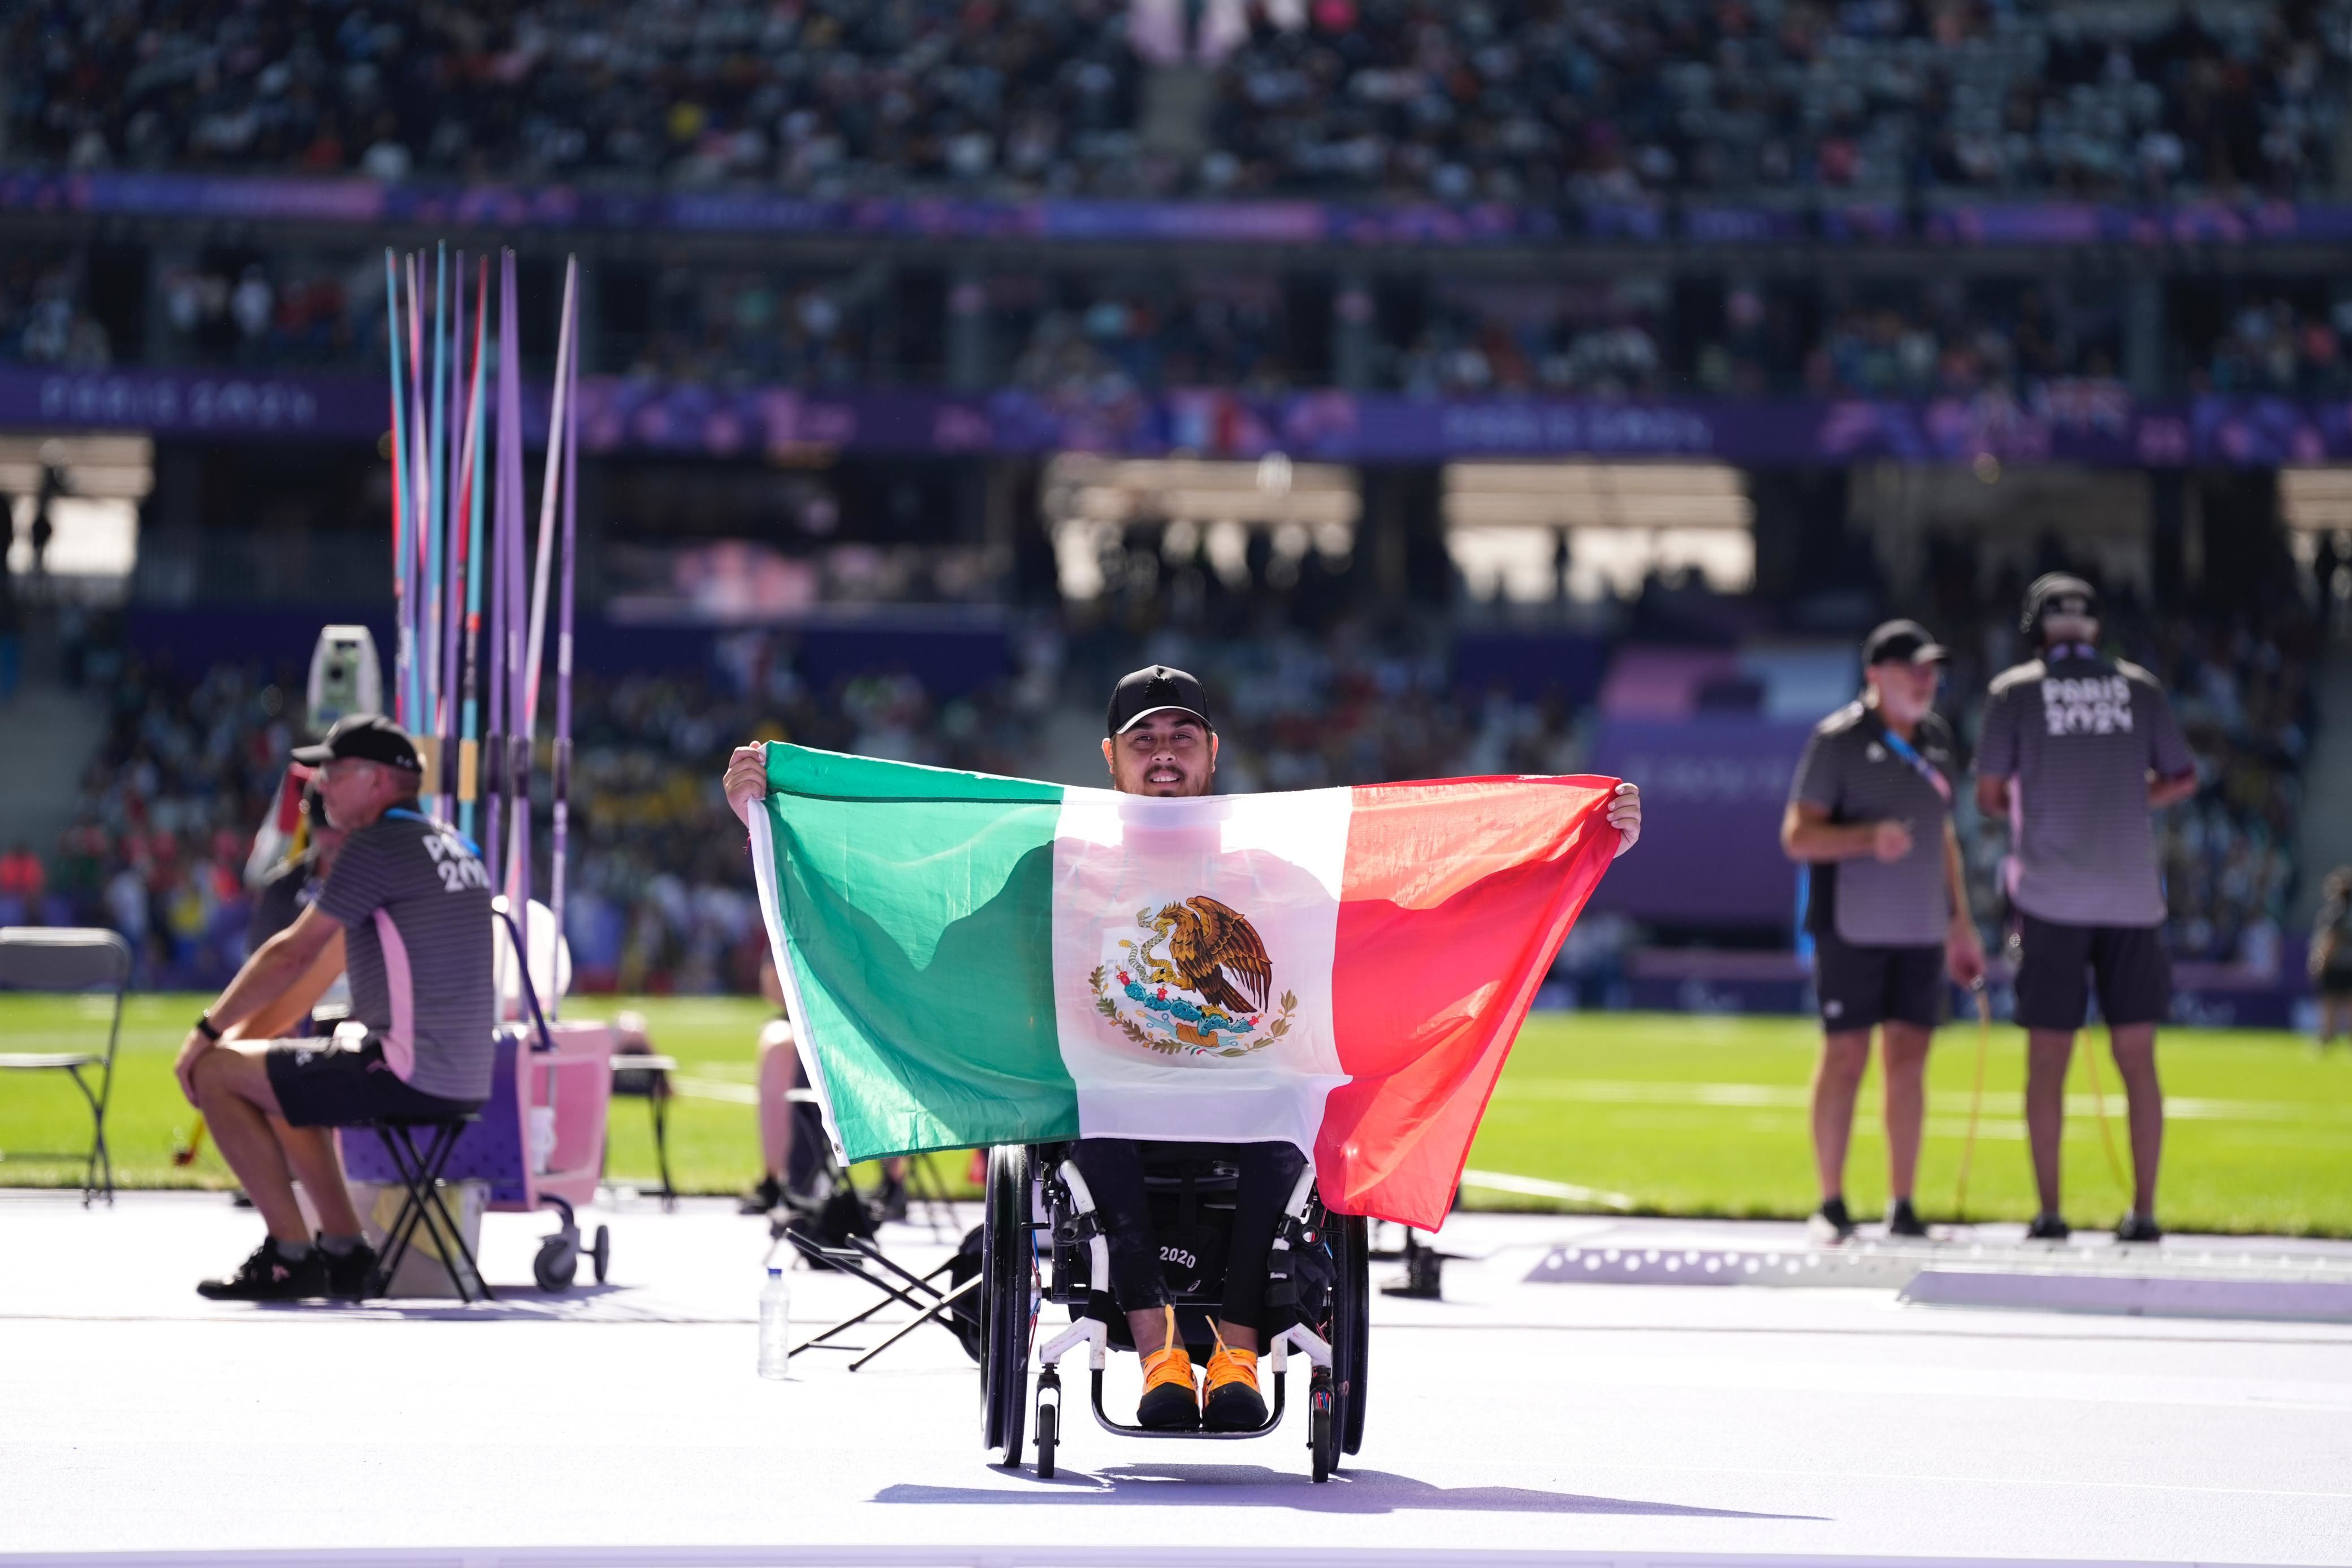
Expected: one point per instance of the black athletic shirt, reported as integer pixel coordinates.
(2078, 735)
(1854, 770)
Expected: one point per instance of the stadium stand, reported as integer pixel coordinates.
(1532, 99)
(841, 97)
(1505, 100)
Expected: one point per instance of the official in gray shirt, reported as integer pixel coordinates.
(1870, 811)
(2078, 751)
(410, 899)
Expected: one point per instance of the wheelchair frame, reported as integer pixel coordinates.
(1041, 1241)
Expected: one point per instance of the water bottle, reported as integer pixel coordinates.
(776, 1326)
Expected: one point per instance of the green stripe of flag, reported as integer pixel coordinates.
(917, 904)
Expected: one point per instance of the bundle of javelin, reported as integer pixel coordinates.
(445, 559)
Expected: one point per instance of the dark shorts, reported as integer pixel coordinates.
(2335, 982)
(2057, 965)
(1862, 987)
(334, 1084)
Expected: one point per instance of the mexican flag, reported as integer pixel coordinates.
(974, 960)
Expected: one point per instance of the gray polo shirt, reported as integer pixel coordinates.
(1854, 769)
(414, 906)
(2078, 735)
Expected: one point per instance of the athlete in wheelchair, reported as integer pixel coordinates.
(1218, 1253)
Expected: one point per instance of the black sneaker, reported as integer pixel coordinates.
(2140, 1227)
(2048, 1228)
(1172, 1401)
(1233, 1403)
(267, 1276)
(351, 1275)
(1831, 1222)
(1902, 1219)
(764, 1198)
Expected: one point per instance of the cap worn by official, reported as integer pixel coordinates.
(1156, 688)
(2057, 593)
(1903, 643)
(368, 737)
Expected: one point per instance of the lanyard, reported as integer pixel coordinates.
(405, 815)
(1920, 765)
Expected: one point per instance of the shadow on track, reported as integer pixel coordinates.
(1259, 1486)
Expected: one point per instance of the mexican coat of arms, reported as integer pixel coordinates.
(1191, 979)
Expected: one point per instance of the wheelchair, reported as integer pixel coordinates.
(1041, 1242)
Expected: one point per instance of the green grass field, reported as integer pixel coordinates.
(1679, 1115)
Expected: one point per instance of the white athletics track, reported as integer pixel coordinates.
(1512, 1422)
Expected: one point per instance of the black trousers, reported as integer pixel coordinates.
(1114, 1171)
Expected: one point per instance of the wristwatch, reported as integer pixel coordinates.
(209, 1029)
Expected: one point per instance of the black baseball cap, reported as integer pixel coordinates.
(1903, 643)
(369, 738)
(1156, 688)
(2058, 593)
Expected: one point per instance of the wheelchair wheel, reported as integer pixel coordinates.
(1351, 1315)
(1008, 1301)
(1049, 1417)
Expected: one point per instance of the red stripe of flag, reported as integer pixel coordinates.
(1450, 913)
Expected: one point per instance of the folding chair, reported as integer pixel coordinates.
(647, 1074)
(420, 1171)
(71, 959)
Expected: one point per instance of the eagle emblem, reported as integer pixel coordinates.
(1191, 979)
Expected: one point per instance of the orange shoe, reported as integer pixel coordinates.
(1170, 1403)
(1233, 1403)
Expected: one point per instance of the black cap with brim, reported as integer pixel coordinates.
(366, 738)
(2058, 593)
(1903, 643)
(1156, 688)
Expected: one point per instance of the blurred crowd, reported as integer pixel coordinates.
(1539, 100)
(2282, 345)
(166, 814)
(1532, 101)
(660, 899)
(730, 328)
(1597, 340)
(1104, 337)
(661, 896)
(826, 96)
(1228, 333)
(45, 316)
(273, 310)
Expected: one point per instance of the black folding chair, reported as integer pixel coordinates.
(71, 959)
(420, 1168)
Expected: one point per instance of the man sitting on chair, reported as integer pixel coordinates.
(411, 901)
